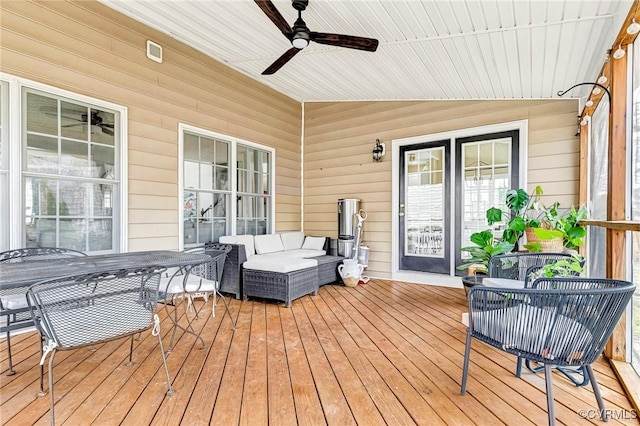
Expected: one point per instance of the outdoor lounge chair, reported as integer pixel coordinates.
(557, 322)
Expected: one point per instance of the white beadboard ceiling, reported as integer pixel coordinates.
(429, 50)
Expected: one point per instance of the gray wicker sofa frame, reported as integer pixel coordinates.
(243, 283)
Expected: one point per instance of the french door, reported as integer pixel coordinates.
(432, 225)
(425, 207)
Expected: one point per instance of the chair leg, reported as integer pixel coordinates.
(213, 306)
(596, 391)
(51, 412)
(519, 367)
(42, 392)
(226, 305)
(11, 371)
(465, 368)
(130, 363)
(156, 332)
(550, 405)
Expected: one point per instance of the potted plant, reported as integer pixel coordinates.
(484, 248)
(524, 210)
(565, 224)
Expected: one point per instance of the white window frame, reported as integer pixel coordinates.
(4, 166)
(233, 184)
(16, 140)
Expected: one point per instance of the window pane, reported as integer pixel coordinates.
(42, 114)
(222, 153)
(206, 176)
(100, 234)
(74, 198)
(42, 154)
(206, 150)
(191, 147)
(73, 121)
(102, 127)
(103, 159)
(191, 173)
(74, 159)
(222, 178)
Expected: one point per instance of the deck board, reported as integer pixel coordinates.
(387, 352)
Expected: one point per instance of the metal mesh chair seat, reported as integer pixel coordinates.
(13, 301)
(96, 323)
(79, 310)
(558, 322)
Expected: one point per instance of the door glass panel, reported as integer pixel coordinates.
(424, 211)
(486, 180)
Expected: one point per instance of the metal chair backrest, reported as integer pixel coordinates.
(516, 266)
(563, 321)
(38, 253)
(218, 253)
(86, 309)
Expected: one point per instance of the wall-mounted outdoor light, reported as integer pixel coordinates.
(378, 151)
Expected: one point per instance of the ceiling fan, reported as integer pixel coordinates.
(96, 120)
(81, 118)
(299, 35)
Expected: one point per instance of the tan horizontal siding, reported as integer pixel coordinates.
(90, 49)
(339, 138)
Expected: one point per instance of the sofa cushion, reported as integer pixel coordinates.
(314, 243)
(245, 240)
(292, 240)
(300, 253)
(282, 264)
(268, 243)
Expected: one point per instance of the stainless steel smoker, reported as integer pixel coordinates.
(347, 209)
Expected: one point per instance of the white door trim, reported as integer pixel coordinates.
(440, 279)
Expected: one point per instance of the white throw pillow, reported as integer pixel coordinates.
(292, 240)
(268, 243)
(314, 243)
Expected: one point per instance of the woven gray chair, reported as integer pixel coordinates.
(521, 267)
(82, 310)
(13, 303)
(559, 322)
(201, 280)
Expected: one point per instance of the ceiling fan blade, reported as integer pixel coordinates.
(73, 125)
(281, 61)
(351, 42)
(270, 10)
(106, 130)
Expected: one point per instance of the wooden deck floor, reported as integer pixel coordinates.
(383, 353)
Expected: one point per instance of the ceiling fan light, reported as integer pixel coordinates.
(300, 40)
(619, 53)
(633, 27)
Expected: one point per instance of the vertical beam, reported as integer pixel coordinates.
(616, 192)
(584, 165)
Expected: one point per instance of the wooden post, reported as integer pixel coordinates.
(616, 193)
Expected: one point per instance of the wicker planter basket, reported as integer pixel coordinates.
(554, 245)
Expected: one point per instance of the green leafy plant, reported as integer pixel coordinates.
(524, 210)
(484, 248)
(568, 267)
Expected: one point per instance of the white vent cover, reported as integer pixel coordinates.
(154, 51)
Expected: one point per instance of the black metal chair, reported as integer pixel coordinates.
(82, 310)
(521, 267)
(201, 280)
(562, 322)
(13, 303)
